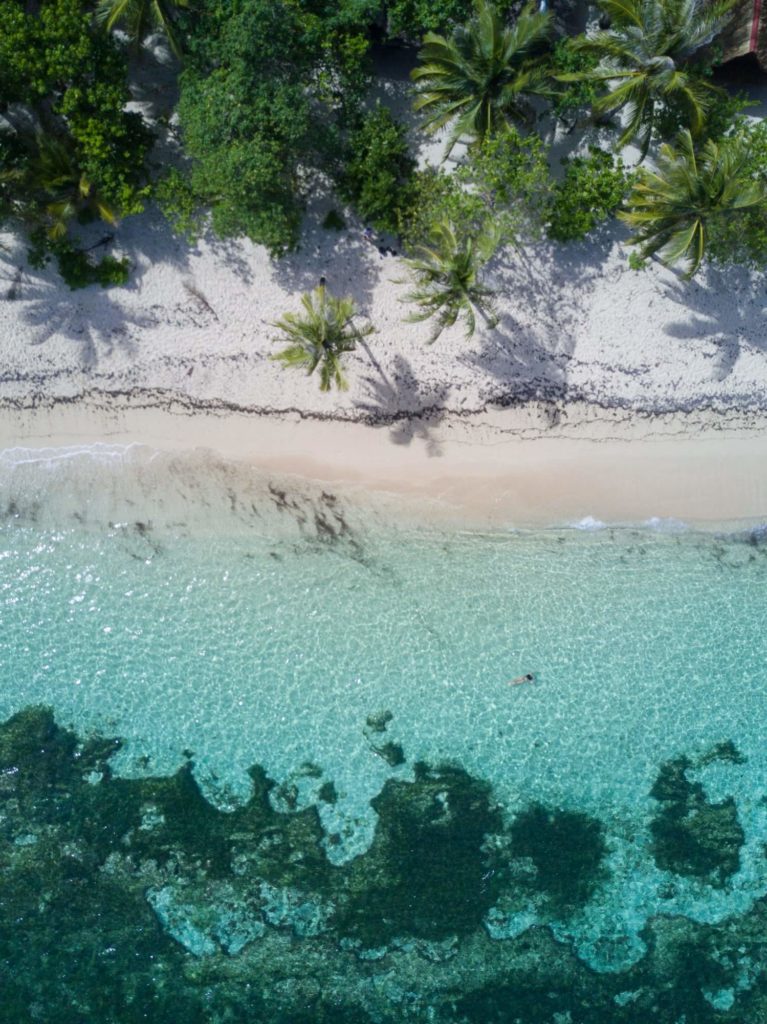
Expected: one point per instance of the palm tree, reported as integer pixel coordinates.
(142, 17)
(673, 207)
(55, 189)
(479, 78)
(447, 279)
(645, 53)
(320, 335)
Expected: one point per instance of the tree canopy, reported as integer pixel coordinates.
(63, 78)
(265, 91)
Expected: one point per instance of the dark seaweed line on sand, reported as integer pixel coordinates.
(750, 412)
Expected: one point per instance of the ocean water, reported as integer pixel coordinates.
(327, 802)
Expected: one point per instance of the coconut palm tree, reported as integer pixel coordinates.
(447, 281)
(319, 336)
(140, 18)
(54, 188)
(644, 56)
(479, 79)
(673, 207)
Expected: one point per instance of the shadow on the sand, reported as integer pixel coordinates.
(726, 308)
(400, 403)
(529, 355)
(349, 263)
(96, 318)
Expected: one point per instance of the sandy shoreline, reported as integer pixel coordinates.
(603, 393)
(504, 468)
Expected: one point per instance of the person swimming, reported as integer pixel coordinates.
(528, 677)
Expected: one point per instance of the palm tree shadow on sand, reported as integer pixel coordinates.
(399, 402)
(526, 357)
(98, 319)
(725, 309)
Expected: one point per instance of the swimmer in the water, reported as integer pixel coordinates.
(528, 677)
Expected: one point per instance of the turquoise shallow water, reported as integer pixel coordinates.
(272, 638)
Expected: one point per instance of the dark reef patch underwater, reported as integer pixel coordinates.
(126, 900)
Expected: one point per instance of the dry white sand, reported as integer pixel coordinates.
(586, 348)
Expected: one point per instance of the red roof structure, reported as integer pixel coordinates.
(747, 32)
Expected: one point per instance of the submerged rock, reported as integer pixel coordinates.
(427, 873)
(567, 849)
(691, 835)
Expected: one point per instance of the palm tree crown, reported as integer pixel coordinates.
(477, 80)
(55, 188)
(142, 17)
(319, 336)
(645, 52)
(447, 279)
(673, 207)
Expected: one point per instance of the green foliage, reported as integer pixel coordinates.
(266, 89)
(674, 208)
(175, 196)
(72, 153)
(139, 18)
(79, 271)
(447, 277)
(741, 236)
(72, 81)
(75, 266)
(378, 170)
(723, 110)
(411, 18)
(645, 57)
(511, 174)
(578, 92)
(479, 79)
(320, 335)
(434, 196)
(592, 189)
(506, 179)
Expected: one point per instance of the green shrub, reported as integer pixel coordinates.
(506, 179)
(411, 19)
(178, 201)
(572, 97)
(79, 271)
(741, 237)
(592, 189)
(378, 170)
(433, 196)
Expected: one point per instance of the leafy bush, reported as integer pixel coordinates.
(741, 236)
(506, 178)
(75, 266)
(411, 19)
(70, 80)
(572, 97)
(267, 87)
(178, 201)
(378, 170)
(79, 271)
(434, 196)
(592, 189)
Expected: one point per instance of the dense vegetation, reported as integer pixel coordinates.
(274, 107)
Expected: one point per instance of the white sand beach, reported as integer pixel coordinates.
(603, 392)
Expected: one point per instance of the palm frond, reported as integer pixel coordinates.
(319, 335)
